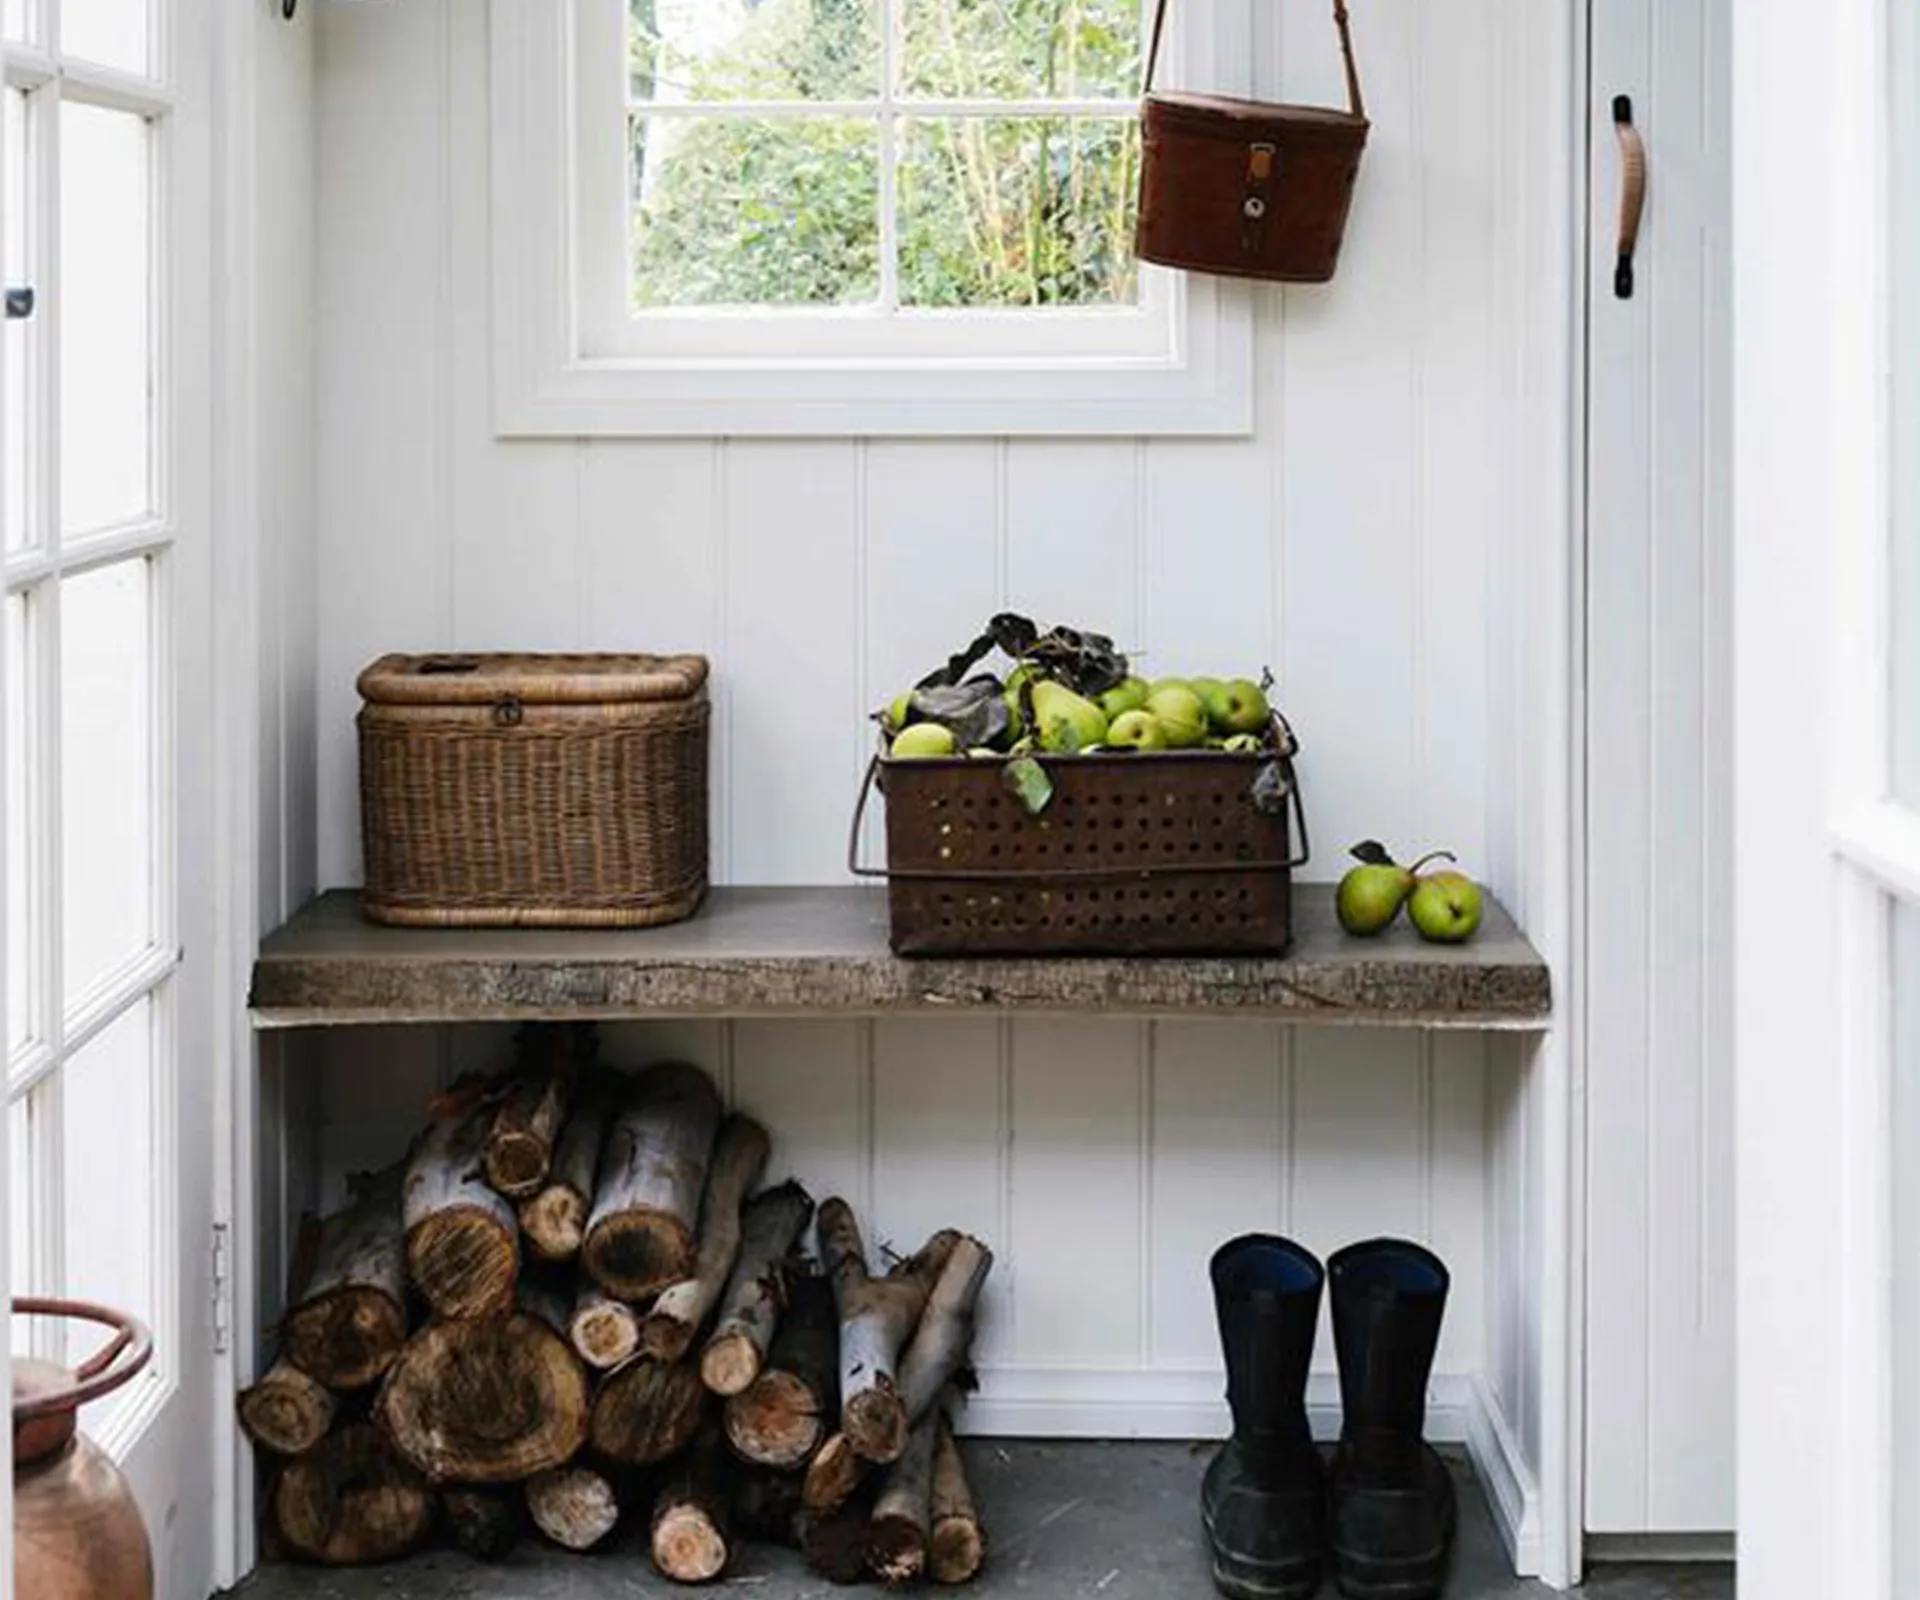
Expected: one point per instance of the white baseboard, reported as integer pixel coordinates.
(1017, 1402)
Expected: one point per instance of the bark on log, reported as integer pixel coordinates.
(351, 1500)
(351, 1321)
(902, 1516)
(943, 1341)
(739, 1157)
(770, 1225)
(463, 1240)
(877, 1318)
(690, 1523)
(836, 1470)
(835, 1542)
(605, 1331)
(957, 1544)
(287, 1411)
(766, 1505)
(555, 1217)
(647, 1411)
(518, 1151)
(575, 1507)
(781, 1417)
(485, 1523)
(653, 1171)
(489, 1401)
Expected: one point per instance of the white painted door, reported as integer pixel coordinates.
(1827, 612)
(1658, 919)
(104, 450)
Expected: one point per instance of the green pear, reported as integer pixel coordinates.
(1017, 723)
(1130, 694)
(923, 739)
(1212, 693)
(1242, 744)
(1371, 895)
(1181, 715)
(1067, 721)
(1240, 707)
(900, 711)
(1159, 684)
(1136, 730)
(1445, 907)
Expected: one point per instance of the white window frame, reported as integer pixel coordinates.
(1181, 362)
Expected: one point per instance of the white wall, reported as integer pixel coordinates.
(1355, 543)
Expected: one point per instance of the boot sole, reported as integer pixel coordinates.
(1419, 1578)
(1238, 1581)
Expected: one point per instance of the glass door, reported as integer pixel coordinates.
(103, 518)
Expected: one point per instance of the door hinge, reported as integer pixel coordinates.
(222, 1288)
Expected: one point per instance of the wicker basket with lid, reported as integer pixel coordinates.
(556, 791)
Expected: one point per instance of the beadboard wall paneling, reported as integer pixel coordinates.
(1354, 544)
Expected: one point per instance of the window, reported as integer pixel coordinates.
(807, 216)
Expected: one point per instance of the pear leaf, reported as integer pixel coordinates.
(975, 712)
(1372, 852)
(1271, 786)
(1028, 782)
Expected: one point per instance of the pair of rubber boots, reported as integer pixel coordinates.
(1275, 1512)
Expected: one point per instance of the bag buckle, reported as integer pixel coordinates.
(1261, 161)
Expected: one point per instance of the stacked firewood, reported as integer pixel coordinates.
(568, 1305)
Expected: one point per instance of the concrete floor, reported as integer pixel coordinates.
(1103, 1521)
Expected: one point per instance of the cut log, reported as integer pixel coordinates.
(877, 1317)
(605, 1331)
(781, 1417)
(835, 1542)
(575, 1506)
(739, 1157)
(530, 1111)
(956, 1545)
(653, 1171)
(489, 1401)
(836, 1470)
(483, 1522)
(769, 1227)
(902, 1515)
(943, 1341)
(766, 1505)
(554, 1218)
(647, 1411)
(351, 1321)
(463, 1240)
(351, 1500)
(287, 1411)
(690, 1524)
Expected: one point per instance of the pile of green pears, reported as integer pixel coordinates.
(1444, 906)
(1045, 715)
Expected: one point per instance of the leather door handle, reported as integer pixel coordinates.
(1633, 194)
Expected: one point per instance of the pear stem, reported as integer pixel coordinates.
(1432, 855)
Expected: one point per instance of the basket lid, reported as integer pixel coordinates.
(480, 680)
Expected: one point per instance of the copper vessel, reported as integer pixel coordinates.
(77, 1533)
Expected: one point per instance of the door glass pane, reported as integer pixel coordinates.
(106, 765)
(1906, 1234)
(16, 20)
(105, 318)
(13, 639)
(107, 1189)
(16, 255)
(115, 33)
(1905, 280)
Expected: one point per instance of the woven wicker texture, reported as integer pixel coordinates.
(534, 791)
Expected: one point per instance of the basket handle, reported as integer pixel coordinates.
(1355, 103)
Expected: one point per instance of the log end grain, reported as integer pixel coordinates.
(875, 1423)
(687, 1546)
(896, 1550)
(605, 1332)
(646, 1412)
(516, 1162)
(485, 1523)
(351, 1501)
(346, 1338)
(464, 1262)
(554, 1221)
(833, 1475)
(287, 1411)
(636, 1253)
(835, 1543)
(956, 1550)
(730, 1363)
(575, 1507)
(775, 1421)
(664, 1338)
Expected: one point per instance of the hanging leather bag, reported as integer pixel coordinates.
(1245, 189)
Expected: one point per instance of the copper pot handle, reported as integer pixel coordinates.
(113, 1364)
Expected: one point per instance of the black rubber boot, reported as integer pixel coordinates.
(1391, 1505)
(1264, 1498)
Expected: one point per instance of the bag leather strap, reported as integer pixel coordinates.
(1355, 103)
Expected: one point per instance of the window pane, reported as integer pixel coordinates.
(114, 33)
(690, 50)
(1018, 211)
(20, 1009)
(1022, 49)
(106, 854)
(1906, 1242)
(16, 20)
(105, 312)
(735, 211)
(1905, 280)
(16, 259)
(109, 1198)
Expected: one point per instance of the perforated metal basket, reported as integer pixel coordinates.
(1160, 854)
